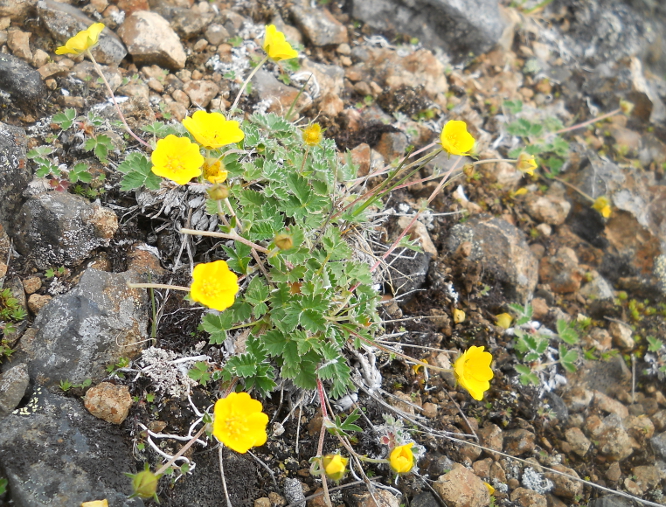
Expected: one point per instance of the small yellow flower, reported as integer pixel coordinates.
(520, 191)
(455, 138)
(177, 159)
(472, 371)
(503, 320)
(212, 130)
(214, 171)
(312, 135)
(491, 490)
(214, 285)
(239, 423)
(526, 164)
(603, 206)
(335, 466)
(458, 316)
(275, 45)
(82, 41)
(401, 458)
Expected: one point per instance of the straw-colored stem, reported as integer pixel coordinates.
(224, 235)
(156, 286)
(249, 78)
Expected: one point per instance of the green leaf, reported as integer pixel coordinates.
(275, 342)
(566, 332)
(526, 375)
(137, 170)
(65, 119)
(568, 358)
(217, 325)
(80, 173)
(199, 372)
(513, 106)
(654, 344)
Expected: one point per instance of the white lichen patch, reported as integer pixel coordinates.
(167, 371)
(536, 482)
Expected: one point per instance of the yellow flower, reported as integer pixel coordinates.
(212, 130)
(82, 41)
(458, 316)
(335, 466)
(602, 205)
(177, 159)
(214, 171)
(276, 46)
(455, 138)
(472, 371)
(504, 320)
(214, 285)
(312, 135)
(401, 458)
(491, 490)
(239, 423)
(526, 164)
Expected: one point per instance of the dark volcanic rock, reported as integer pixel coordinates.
(55, 453)
(14, 171)
(21, 82)
(460, 27)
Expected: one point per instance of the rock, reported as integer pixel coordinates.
(330, 78)
(578, 441)
(277, 94)
(528, 498)
(605, 376)
(32, 285)
(659, 420)
(658, 443)
(108, 402)
(201, 92)
(614, 472)
(55, 453)
(19, 43)
(392, 145)
(419, 232)
(609, 405)
(461, 488)
(186, 22)
(621, 334)
(14, 174)
(131, 6)
(550, 209)
(646, 478)
(37, 301)
(611, 438)
(58, 228)
(462, 29)
(384, 499)
(77, 334)
(561, 271)
(502, 250)
(318, 25)
(518, 442)
(22, 82)
(151, 41)
(293, 492)
(611, 501)
(16, 9)
(564, 486)
(13, 386)
(491, 436)
(64, 21)
(216, 34)
(264, 501)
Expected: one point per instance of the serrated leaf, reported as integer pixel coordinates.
(138, 173)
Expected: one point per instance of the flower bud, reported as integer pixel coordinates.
(458, 316)
(626, 107)
(526, 164)
(283, 241)
(144, 484)
(335, 466)
(468, 170)
(218, 192)
(214, 170)
(503, 320)
(603, 205)
(96, 503)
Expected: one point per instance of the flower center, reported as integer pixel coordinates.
(211, 289)
(175, 164)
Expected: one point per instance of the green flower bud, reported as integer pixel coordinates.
(144, 484)
(283, 241)
(218, 192)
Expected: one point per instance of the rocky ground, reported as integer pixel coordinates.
(380, 76)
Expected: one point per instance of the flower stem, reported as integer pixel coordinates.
(240, 92)
(590, 122)
(181, 451)
(224, 235)
(156, 286)
(113, 98)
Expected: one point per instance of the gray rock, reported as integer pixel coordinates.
(55, 454)
(279, 96)
(151, 40)
(186, 22)
(658, 443)
(16, 9)
(64, 21)
(21, 82)
(611, 501)
(13, 385)
(58, 228)
(460, 27)
(318, 25)
(77, 334)
(14, 171)
(502, 249)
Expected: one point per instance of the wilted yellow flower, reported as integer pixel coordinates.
(491, 490)
(504, 320)
(458, 316)
(96, 503)
(401, 458)
(472, 371)
(312, 134)
(214, 171)
(455, 138)
(212, 130)
(602, 205)
(82, 41)
(275, 45)
(239, 423)
(214, 285)
(526, 164)
(177, 159)
(335, 466)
